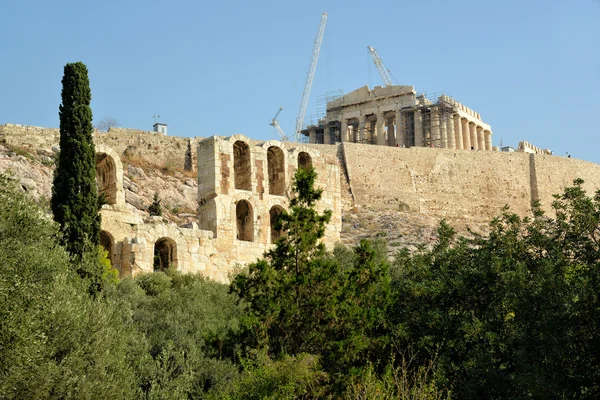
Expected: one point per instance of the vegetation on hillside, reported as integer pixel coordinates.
(510, 315)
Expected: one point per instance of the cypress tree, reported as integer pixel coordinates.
(75, 202)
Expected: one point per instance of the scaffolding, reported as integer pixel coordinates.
(319, 121)
(434, 109)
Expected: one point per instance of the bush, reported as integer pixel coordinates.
(56, 341)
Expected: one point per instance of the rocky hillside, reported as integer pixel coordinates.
(400, 229)
(177, 189)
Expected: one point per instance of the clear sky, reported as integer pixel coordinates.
(531, 68)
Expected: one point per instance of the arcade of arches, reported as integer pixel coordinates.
(106, 241)
(165, 254)
(304, 160)
(106, 177)
(276, 169)
(274, 214)
(241, 166)
(244, 221)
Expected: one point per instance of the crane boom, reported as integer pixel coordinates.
(282, 136)
(309, 76)
(379, 64)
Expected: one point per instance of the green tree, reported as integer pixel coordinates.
(155, 208)
(514, 314)
(56, 341)
(302, 300)
(75, 201)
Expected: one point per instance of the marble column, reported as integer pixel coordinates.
(400, 129)
(450, 131)
(380, 134)
(458, 132)
(473, 135)
(343, 129)
(436, 140)
(362, 129)
(488, 139)
(391, 134)
(418, 129)
(444, 131)
(480, 139)
(466, 134)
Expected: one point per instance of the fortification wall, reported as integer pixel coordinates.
(460, 183)
(151, 147)
(441, 182)
(554, 173)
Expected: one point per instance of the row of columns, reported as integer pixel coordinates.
(452, 131)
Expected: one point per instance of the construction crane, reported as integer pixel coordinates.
(282, 136)
(309, 76)
(379, 64)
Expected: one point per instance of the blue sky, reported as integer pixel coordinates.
(531, 68)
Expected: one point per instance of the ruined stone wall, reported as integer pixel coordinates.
(443, 182)
(235, 171)
(151, 147)
(459, 183)
(554, 173)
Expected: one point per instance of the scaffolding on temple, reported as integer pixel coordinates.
(435, 108)
(318, 121)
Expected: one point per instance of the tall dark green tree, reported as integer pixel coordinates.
(302, 300)
(75, 201)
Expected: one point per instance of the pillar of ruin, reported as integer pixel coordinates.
(480, 139)
(379, 133)
(444, 131)
(488, 139)
(473, 135)
(362, 129)
(326, 135)
(436, 140)
(312, 135)
(466, 134)
(391, 137)
(450, 131)
(458, 131)
(418, 129)
(400, 129)
(343, 129)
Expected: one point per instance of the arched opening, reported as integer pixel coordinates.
(304, 160)
(241, 166)
(276, 169)
(107, 242)
(244, 221)
(106, 177)
(165, 254)
(274, 214)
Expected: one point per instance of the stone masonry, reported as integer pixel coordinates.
(244, 184)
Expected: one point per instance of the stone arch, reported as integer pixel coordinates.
(108, 243)
(276, 170)
(165, 254)
(244, 218)
(304, 160)
(274, 214)
(109, 175)
(242, 165)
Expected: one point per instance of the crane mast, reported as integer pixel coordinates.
(379, 64)
(309, 77)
